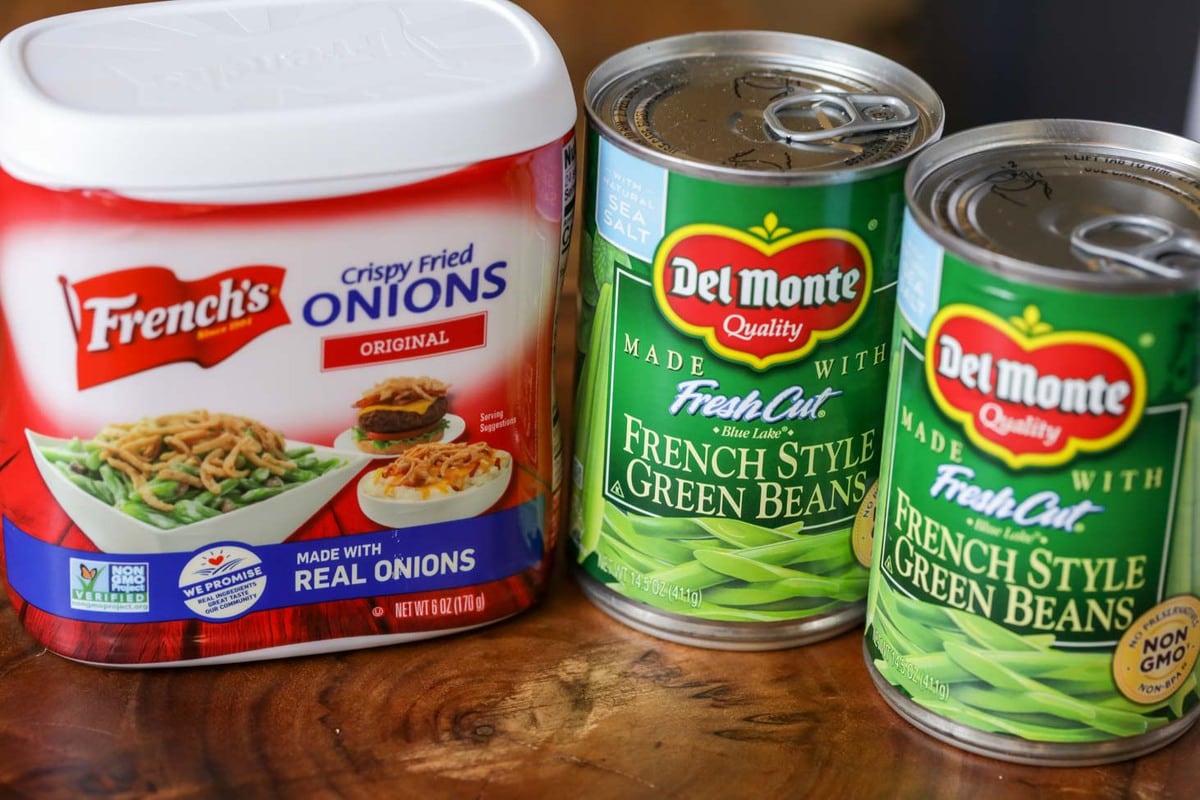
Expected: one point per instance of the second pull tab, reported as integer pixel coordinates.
(1138, 241)
(820, 116)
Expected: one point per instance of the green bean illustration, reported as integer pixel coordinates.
(81, 463)
(1029, 693)
(918, 638)
(692, 575)
(739, 533)
(995, 637)
(776, 591)
(1080, 668)
(619, 551)
(593, 400)
(604, 260)
(972, 670)
(667, 550)
(599, 260)
(1184, 572)
(742, 567)
(730, 570)
(678, 528)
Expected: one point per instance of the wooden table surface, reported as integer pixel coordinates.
(558, 701)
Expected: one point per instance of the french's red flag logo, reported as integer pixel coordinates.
(137, 319)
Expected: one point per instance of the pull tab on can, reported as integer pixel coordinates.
(1138, 241)
(831, 115)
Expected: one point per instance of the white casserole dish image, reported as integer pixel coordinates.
(443, 500)
(267, 521)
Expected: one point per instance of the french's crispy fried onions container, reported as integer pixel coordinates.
(279, 281)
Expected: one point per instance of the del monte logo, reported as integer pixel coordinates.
(762, 296)
(1028, 394)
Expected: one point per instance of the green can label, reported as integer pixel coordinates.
(734, 343)
(1034, 553)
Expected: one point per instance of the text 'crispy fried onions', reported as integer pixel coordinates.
(196, 448)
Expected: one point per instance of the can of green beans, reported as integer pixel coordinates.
(1034, 591)
(742, 224)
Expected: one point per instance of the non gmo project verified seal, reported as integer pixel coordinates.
(120, 587)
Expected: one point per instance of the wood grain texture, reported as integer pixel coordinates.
(559, 699)
(558, 702)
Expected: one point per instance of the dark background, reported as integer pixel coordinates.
(995, 60)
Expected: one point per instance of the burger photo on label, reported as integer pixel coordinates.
(398, 413)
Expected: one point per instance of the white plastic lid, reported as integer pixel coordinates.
(213, 97)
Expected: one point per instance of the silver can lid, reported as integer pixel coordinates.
(1066, 202)
(759, 106)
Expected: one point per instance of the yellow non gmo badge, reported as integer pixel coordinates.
(1030, 395)
(1158, 651)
